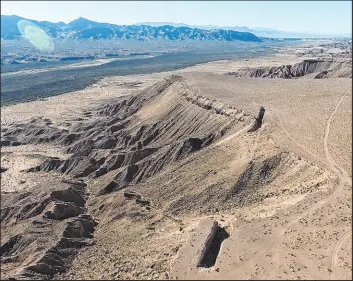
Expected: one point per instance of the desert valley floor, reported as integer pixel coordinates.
(161, 175)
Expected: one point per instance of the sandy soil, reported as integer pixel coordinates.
(282, 193)
(341, 133)
(301, 107)
(224, 66)
(17, 159)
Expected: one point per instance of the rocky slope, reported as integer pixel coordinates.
(43, 229)
(322, 68)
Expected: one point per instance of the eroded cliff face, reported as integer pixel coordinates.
(320, 68)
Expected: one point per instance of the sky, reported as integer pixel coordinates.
(321, 17)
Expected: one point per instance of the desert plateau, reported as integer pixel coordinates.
(167, 175)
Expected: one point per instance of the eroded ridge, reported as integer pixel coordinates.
(118, 140)
(52, 224)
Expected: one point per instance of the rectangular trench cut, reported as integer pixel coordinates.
(213, 246)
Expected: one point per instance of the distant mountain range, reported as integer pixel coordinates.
(259, 32)
(82, 28)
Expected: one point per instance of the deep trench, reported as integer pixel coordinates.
(209, 258)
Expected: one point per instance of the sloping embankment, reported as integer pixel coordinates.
(319, 68)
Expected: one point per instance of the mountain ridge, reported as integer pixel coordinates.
(258, 31)
(82, 28)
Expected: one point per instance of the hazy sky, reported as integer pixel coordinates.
(302, 16)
